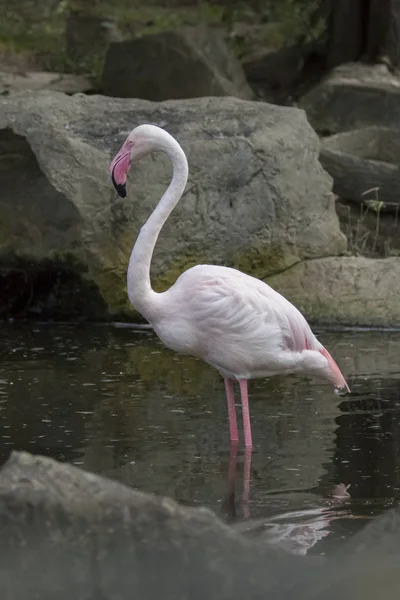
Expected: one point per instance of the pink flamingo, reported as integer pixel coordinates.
(235, 322)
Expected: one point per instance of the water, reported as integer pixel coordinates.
(116, 402)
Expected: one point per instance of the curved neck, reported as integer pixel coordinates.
(140, 293)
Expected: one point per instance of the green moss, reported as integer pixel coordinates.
(68, 260)
(112, 282)
(154, 19)
(285, 22)
(258, 262)
(300, 21)
(263, 260)
(165, 280)
(112, 286)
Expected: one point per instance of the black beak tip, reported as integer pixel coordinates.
(120, 187)
(121, 190)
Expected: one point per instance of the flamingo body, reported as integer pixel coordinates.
(239, 325)
(235, 322)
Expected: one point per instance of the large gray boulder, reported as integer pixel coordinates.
(353, 96)
(351, 290)
(367, 566)
(185, 63)
(69, 534)
(362, 160)
(257, 197)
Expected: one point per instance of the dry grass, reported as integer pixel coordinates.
(372, 232)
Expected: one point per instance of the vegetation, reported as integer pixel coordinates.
(372, 226)
(32, 32)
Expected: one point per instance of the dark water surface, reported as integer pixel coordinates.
(116, 402)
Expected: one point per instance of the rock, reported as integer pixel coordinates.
(43, 80)
(367, 566)
(187, 63)
(351, 290)
(100, 539)
(282, 75)
(380, 535)
(257, 197)
(362, 160)
(275, 72)
(88, 37)
(354, 96)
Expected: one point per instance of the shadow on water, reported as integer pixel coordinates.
(116, 402)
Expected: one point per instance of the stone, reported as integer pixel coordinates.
(257, 197)
(186, 63)
(367, 566)
(42, 80)
(362, 160)
(68, 533)
(351, 290)
(354, 96)
(275, 72)
(281, 75)
(88, 37)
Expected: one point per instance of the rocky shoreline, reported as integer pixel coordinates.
(69, 533)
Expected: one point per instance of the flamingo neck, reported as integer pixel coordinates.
(140, 292)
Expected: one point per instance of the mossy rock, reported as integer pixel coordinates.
(257, 197)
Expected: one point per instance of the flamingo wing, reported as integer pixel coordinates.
(233, 303)
(237, 322)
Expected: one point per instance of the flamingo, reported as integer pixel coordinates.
(236, 323)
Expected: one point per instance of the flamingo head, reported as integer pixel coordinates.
(142, 140)
(319, 363)
(334, 373)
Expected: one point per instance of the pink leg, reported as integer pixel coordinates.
(232, 467)
(231, 410)
(246, 481)
(228, 504)
(246, 414)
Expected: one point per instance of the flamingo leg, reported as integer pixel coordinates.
(229, 503)
(230, 397)
(232, 468)
(245, 413)
(246, 481)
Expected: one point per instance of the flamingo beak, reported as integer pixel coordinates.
(336, 375)
(119, 168)
(120, 187)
